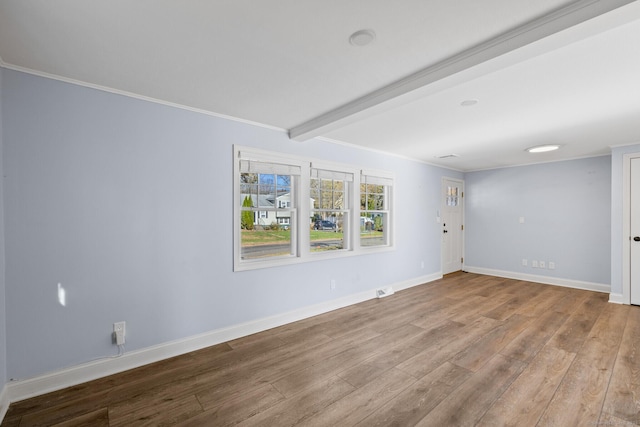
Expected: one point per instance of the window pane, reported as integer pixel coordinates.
(269, 237)
(265, 190)
(373, 228)
(327, 184)
(330, 210)
(372, 197)
(327, 230)
(327, 194)
(452, 196)
(265, 215)
(248, 188)
(283, 184)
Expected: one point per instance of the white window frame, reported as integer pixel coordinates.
(372, 176)
(338, 172)
(301, 208)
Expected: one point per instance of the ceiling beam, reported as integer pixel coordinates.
(573, 14)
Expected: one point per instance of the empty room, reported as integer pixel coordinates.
(279, 213)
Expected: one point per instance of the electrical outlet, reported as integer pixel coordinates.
(333, 284)
(524, 262)
(422, 264)
(542, 264)
(534, 264)
(119, 332)
(552, 265)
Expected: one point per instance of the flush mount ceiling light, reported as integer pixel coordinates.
(362, 37)
(542, 148)
(469, 102)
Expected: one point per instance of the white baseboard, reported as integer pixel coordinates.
(616, 298)
(4, 402)
(24, 389)
(567, 283)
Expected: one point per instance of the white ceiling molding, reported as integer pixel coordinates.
(537, 29)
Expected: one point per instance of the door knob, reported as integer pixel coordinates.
(636, 239)
(445, 231)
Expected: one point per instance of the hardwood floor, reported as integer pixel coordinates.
(465, 350)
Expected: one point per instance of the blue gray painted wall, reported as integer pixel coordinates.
(128, 205)
(617, 156)
(3, 319)
(566, 208)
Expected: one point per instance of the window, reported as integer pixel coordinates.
(375, 207)
(284, 221)
(289, 209)
(452, 196)
(331, 207)
(267, 194)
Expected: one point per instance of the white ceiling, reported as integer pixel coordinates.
(543, 72)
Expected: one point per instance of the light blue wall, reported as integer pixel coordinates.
(3, 319)
(567, 211)
(617, 156)
(128, 204)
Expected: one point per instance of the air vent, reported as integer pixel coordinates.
(384, 292)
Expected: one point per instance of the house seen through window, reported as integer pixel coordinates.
(266, 193)
(290, 210)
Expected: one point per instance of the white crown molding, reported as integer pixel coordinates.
(629, 144)
(24, 389)
(383, 152)
(136, 96)
(568, 159)
(545, 280)
(563, 18)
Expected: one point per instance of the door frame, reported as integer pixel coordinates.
(440, 216)
(626, 226)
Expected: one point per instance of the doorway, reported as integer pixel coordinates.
(452, 224)
(634, 229)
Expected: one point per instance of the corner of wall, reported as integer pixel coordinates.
(4, 400)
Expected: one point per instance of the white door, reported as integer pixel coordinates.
(635, 231)
(451, 222)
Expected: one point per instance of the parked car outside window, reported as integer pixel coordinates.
(324, 225)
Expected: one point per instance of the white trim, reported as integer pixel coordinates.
(386, 153)
(462, 218)
(541, 162)
(546, 280)
(24, 389)
(537, 29)
(300, 240)
(137, 96)
(4, 402)
(616, 298)
(626, 226)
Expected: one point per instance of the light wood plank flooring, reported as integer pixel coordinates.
(465, 350)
